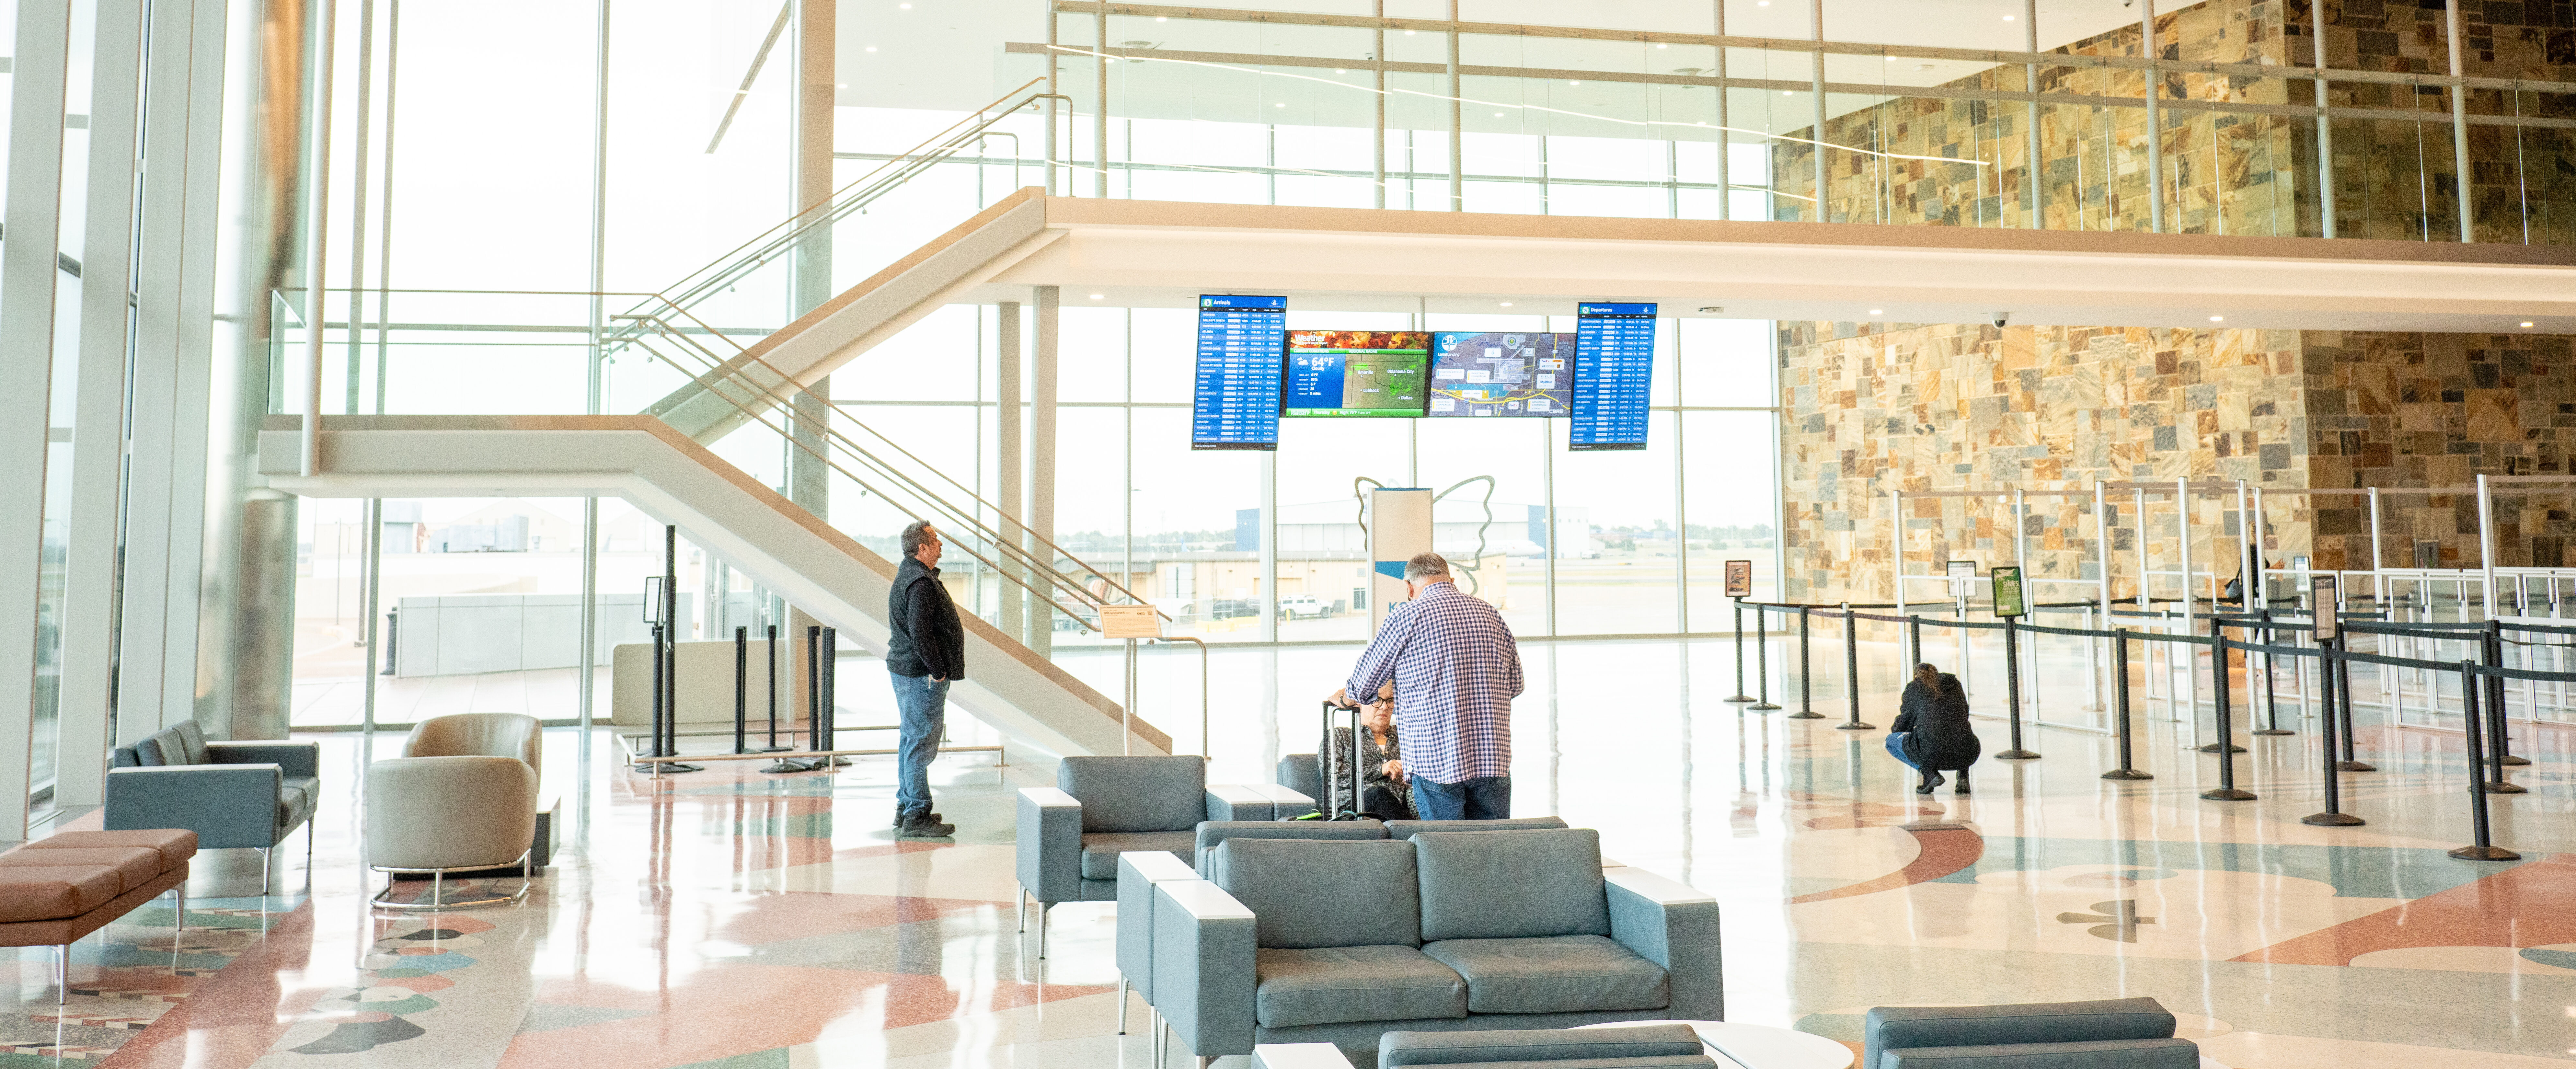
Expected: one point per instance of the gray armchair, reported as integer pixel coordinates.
(232, 794)
(2126, 1033)
(442, 815)
(1070, 836)
(1648, 1046)
(1342, 941)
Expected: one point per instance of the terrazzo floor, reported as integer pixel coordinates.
(732, 918)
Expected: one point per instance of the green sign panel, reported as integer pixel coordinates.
(2007, 588)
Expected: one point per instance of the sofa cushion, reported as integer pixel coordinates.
(1668, 1044)
(44, 893)
(1214, 833)
(1557, 974)
(1333, 985)
(175, 845)
(2092, 1054)
(2028, 1022)
(293, 805)
(1136, 793)
(308, 786)
(1406, 829)
(134, 865)
(1511, 884)
(1100, 850)
(1324, 893)
(192, 744)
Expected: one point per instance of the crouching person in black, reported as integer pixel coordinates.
(1931, 733)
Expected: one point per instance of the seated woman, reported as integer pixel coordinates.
(1931, 731)
(1385, 791)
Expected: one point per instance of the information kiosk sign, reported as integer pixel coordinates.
(1963, 578)
(2321, 597)
(1614, 369)
(1739, 579)
(2007, 591)
(1241, 342)
(1130, 621)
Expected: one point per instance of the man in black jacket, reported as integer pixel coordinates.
(925, 652)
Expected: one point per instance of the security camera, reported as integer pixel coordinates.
(2001, 318)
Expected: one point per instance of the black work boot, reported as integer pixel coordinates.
(1962, 788)
(924, 825)
(1931, 778)
(898, 817)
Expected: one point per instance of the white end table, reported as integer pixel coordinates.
(1760, 1046)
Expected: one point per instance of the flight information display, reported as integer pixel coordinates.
(1614, 368)
(1496, 373)
(1236, 405)
(1355, 373)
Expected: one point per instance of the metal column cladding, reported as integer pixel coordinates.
(1399, 527)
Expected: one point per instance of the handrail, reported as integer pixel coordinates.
(798, 425)
(826, 432)
(774, 242)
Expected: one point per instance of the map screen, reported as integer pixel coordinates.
(1355, 373)
(1492, 373)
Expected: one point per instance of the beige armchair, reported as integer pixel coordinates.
(438, 815)
(478, 735)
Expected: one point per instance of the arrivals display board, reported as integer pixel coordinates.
(1355, 373)
(1236, 399)
(1614, 367)
(1501, 373)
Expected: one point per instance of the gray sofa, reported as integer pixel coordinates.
(1649, 1046)
(1303, 941)
(232, 794)
(1070, 835)
(2126, 1033)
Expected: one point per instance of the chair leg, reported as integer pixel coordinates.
(1023, 903)
(62, 974)
(183, 909)
(1122, 1005)
(1042, 912)
(267, 862)
(308, 855)
(437, 889)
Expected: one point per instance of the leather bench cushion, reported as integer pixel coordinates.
(2092, 1054)
(1333, 985)
(43, 893)
(1100, 849)
(1660, 1044)
(134, 865)
(175, 845)
(1554, 974)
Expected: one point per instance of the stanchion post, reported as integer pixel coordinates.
(2500, 755)
(654, 749)
(2333, 816)
(741, 687)
(2483, 848)
(1762, 657)
(1914, 640)
(1740, 697)
(2012, 690)
(2226, 745)
(2271, 694)
(1806, 674)
(769, 675)
(831, 695)
(813, 686)
(2120, 699)
(2342, 707)
(1851, 666)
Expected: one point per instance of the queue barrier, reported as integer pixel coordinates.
(2488, 746)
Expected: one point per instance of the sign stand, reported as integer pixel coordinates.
(1739, 586)
(1130, 622)
(2010, 605)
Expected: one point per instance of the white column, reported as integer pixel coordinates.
(192, 373)
(98, 429)
(1006, 463)
(28, 271)
(2460, 144)
(2155, 139)
(1042, 451)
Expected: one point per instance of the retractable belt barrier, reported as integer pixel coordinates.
(2482, 704)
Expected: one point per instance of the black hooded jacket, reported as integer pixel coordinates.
(1938, 718)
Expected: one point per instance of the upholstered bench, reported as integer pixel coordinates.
(55, 890)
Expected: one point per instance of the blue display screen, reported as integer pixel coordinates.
(1614, 369)
(1236, 402)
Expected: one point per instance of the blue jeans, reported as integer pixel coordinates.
(1482, 798)
(924, 705)
(1896, 748)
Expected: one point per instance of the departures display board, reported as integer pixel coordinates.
(1236, 400)
(1501, 373)
(1614, 368)
(1355, 373)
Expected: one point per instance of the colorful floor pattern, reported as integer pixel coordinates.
(731, 918)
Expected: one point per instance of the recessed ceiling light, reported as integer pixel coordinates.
(1498, 115)
(2218, 319)
(1574, 83)
(872, 48)
(906, 7)
(1339, 70)
(2526, 324)
(1878, 311)
(1507, 304)
(1096, 296)
(1408, 33)
(1162, 18)
(2008, 18)
(1282, 104)
(1662, 46)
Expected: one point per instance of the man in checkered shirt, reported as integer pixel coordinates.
(1456, 669)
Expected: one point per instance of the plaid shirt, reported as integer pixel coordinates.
(1456, 669)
